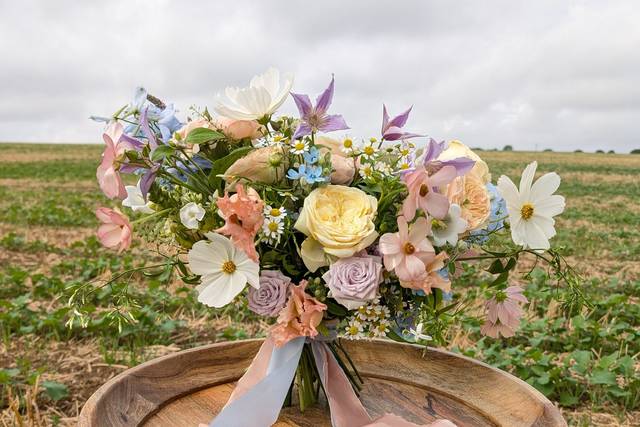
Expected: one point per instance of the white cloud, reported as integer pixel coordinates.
(530, 74)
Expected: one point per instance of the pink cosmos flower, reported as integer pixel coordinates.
(431, 278)
(115, 230)
(299, 318)
(243, 215)
(504, 313)
(107, 173)
(423, 192)
(408, 251)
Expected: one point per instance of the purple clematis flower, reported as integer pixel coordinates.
(316, 119)
(433, 151)
(392, 129)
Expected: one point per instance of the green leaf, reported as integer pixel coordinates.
(162, 152)
(567, 399)
(203, 135)
(336, 309)
(220, 166)
(7, 374)
(496, 267)
(601, 376)
(55, 390)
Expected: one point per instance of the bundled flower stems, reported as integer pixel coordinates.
(328, 238)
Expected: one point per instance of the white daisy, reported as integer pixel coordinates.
(273, 228)
(354, 329)
(532, 208)
(347, 146)
(225, 270)
(366, 171)
(383, 168)
(299, 146)
(271, 212)
(446, 230)
(263, 97)
(135, 200)
(191, 214)
(368, 151)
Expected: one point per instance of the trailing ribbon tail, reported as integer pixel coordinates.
(260, 393)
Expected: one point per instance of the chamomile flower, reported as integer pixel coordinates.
(369, 150)
(366, 171)
(273, 228)
(380, 329)
(347, 146)
(275, 213)
(299, 146)
(383, 168)
(354, 329)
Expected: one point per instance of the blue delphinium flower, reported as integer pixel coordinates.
(312, 156)
(496, 218)
(163, 118)
(308, 174)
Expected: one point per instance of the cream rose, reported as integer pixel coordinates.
(338, 222)
(458, 149)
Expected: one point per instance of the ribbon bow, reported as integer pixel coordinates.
(258, 396)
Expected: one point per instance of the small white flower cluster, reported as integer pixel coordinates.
(369, 321)
(273, 225)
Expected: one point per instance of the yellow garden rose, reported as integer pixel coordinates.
(458, 149)
(338, 222)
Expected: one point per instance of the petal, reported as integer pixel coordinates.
(403, 230)
(436, 204)
(303, 103)
(550, 206)
(419, 231)
(385, 119)
(527, 179)
(302, 130)
(220, 289)
(206, 258)
(389, 244)
(410, 269)
(332, 123)
(545, 186)
(546, 225)
(391, 261)
(443, 176)
(324, 99)
(278, 100)
(509, 192)
(534, 236)
(401, 119)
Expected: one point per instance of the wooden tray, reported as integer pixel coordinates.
(190, 387)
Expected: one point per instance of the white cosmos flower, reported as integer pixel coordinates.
(191, 214)
(135, 200)
(447, 230)
(225, 270)
(532, 208)
(264, 95)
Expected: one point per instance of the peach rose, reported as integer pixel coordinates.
(239, 129)
(344, 167)
(299, 318)
(458, 149)
(195, 124)
(470, 192)
(267, 164)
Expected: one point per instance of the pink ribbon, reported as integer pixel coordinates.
(345, 407)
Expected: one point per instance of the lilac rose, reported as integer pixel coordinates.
(272, 295)
(353, 281)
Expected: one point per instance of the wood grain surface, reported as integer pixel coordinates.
(190, 387)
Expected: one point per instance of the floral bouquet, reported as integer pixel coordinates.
(331, 238)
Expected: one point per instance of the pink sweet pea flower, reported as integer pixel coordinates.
(408, 251)
(242, 213)
(107, 173)
(423, 192)
(504, 313)
(115, 230)
(299, 318)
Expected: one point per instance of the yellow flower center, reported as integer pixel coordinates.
(275, 212)
(369, 150)
(424, 190)
(526, 211)
(347, 143)
(373, 140)
(299, 145)
(409, 248)
(436, 224)
(404, 152)
(273, 226)
(228, 267)
(404, 166)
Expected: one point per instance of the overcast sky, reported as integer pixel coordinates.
(532, 74)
